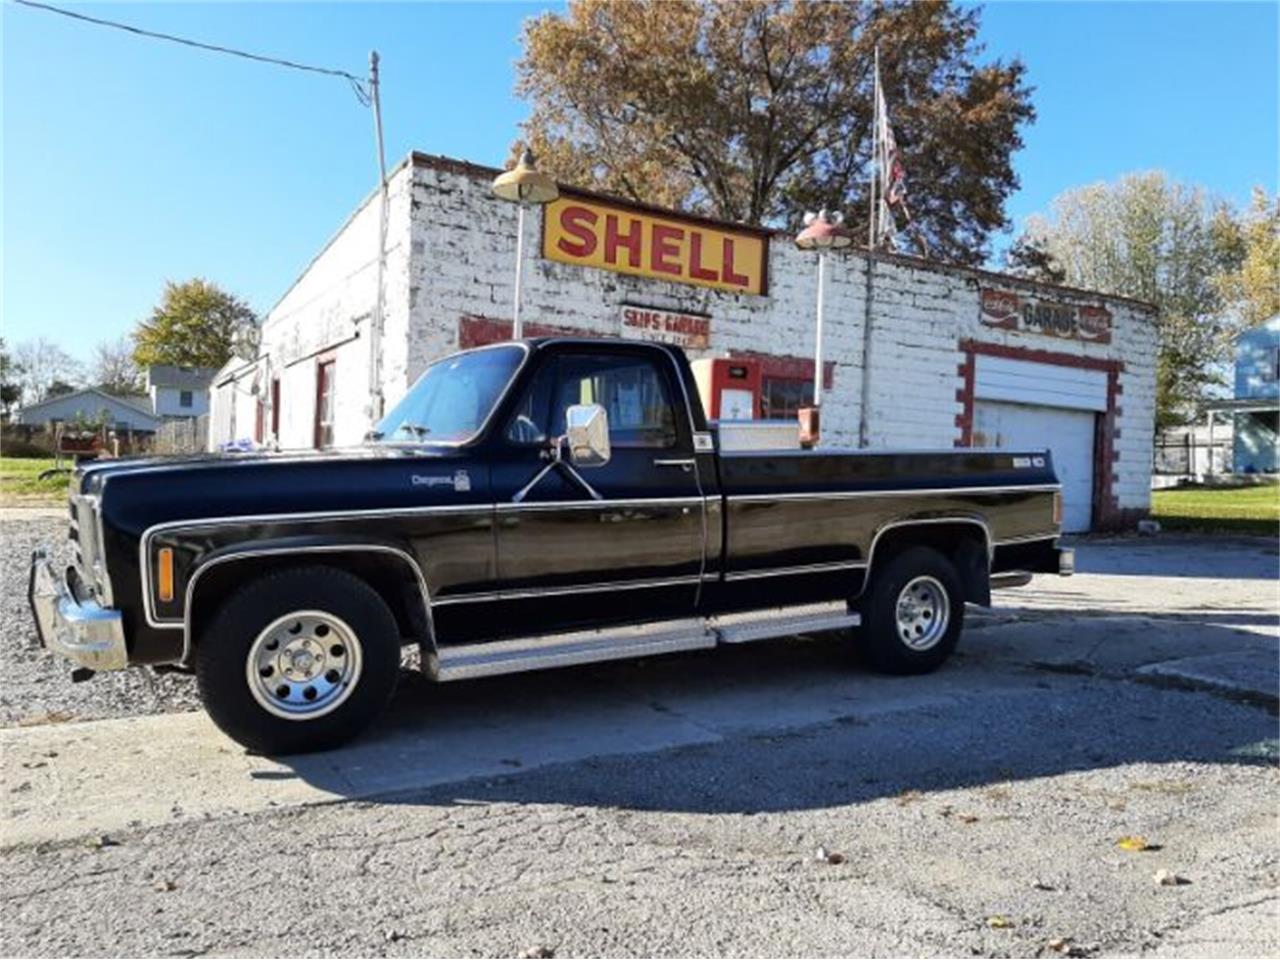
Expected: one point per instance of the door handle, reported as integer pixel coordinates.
(685, 465)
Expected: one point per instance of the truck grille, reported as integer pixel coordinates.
(86, 547)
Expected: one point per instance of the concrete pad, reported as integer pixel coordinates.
(1250, 675)
(66, 781)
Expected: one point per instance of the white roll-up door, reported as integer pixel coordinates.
(1036, 406)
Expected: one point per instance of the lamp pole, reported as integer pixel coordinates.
(523, 185)
(817, 340)
(823, 231)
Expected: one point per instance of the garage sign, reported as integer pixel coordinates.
(1007, 310)
(613, 236)
(691, 331)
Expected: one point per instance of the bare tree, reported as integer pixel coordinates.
(41, 363)
(112, 368)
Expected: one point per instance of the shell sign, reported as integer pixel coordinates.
(613, 236)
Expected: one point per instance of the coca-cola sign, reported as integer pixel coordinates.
(1012, 311)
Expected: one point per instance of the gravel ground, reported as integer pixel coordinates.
(38, 687)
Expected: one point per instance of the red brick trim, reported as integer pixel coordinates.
(1106, 507)
(476, 331)
(787, 367)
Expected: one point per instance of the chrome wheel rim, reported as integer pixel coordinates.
(923, 613)
(304, 665)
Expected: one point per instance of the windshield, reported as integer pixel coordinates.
(452, 399)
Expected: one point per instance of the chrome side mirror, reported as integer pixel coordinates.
(587, 434)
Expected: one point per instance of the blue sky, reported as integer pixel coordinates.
(129, 161)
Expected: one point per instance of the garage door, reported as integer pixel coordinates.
(1068, 434)
(1034, 406)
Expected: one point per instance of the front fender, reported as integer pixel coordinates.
(205, 572)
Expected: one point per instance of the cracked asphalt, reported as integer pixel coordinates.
(974, 812)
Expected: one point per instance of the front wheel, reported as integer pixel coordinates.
(913, 612)
(298, 660)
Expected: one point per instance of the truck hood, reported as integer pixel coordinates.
(91, 476)
(136, 494)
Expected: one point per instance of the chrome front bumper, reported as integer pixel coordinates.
(84, 632)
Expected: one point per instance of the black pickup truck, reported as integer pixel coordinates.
(526, 505)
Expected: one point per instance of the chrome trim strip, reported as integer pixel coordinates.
(536, 505)
(1028, 538)
(832, 567)
(604, 587)
(336, 548)
(144, 542)
(893, 524)
(851, 494)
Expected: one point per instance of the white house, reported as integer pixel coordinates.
(92, 405)
(179, 391)
(918, 353)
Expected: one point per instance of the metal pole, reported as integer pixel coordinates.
(375, 324)
(1210, 466)
(864, 412)
(817, 346)
(517, 329)
(873, 207)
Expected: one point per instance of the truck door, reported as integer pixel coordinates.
(622, 541)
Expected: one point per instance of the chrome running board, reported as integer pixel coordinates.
(783, 622)
(470, 660)
(566, 649)
(1012, 578)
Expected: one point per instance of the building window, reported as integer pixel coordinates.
(784, 396)
(275, 407)
(324, 404)
(184, 398)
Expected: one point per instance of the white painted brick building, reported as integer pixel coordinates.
(958, 356)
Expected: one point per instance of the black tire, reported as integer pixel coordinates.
(881, 642)
(223, 648)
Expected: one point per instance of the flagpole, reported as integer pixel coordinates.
(873, 208)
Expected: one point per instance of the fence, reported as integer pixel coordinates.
(190, 435)
(1191, 456)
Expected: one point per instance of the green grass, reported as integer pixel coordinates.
(20, 482)
(1250, 509)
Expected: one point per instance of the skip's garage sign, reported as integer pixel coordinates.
(1012, 311)
(611, 236)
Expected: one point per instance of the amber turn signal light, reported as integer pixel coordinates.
(1057, 508)
(164, 574)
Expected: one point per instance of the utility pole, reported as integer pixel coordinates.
(375, 321)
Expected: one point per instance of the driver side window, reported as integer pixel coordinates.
(632, 390)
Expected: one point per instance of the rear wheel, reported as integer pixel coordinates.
(298, 660)
(913, 612)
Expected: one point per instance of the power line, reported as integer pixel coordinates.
(357, 84)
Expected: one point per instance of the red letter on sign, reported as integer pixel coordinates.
(726, 270)
(696, 270)
(612, 241)
(577, 221)
(664, 248)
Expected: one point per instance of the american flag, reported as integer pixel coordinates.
(893, 174)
